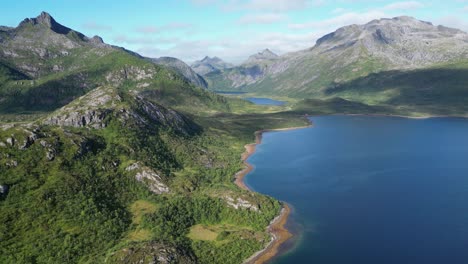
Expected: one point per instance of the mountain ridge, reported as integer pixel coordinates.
(207, 65)
(121, 157)
(350, 52)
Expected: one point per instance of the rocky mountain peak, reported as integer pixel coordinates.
(264, 55)
(211, 60)
(45, 19)
(182, 68)
(97, 40)
(398, 30)
(207, 65)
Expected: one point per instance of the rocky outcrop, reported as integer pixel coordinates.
(90, 118)
(151, 253)
(132, 73)
(166, 117)
(183, 69)
(240, 203)
(90, 110)
(150, 178)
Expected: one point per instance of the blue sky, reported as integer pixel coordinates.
(230, 29)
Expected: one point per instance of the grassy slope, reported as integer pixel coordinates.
(442, 89)
(81, 207)
(436, 90)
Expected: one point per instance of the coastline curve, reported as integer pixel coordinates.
(277, 227)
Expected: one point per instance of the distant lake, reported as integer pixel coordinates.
(229, 93)
(264, 101)
(368, 190)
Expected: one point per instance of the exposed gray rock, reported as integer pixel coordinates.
(149, 178)
(42, 38)
(90, 118)
(11, 163)
(263, 56)
(50, 154)
(207, 65)
(182, 68)
(133, 73)
(11, 141)
(30, 139)
(240, 203)
(89, 110)
(400, 43)
(152, 252)
(96, 40)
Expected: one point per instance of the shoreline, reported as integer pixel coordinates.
(277, 227)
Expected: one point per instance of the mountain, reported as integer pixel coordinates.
(183, 69)
(108, 157)
(45, 65)
(354, 52)
(207, 65)
(263, 56)
(249, 72)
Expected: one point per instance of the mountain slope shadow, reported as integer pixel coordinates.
(439, 88)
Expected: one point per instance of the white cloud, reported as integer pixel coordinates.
(410, 5)
(453, 21)
(262, 18)
(237, 47)
(167, 27)
(233, 49)
(341, 20)
(265, 5)
(465, 8)
(338, 10)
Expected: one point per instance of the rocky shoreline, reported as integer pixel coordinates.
(277, 228)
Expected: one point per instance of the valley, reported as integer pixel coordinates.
(109, 156)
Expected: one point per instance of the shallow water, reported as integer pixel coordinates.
(371, 189)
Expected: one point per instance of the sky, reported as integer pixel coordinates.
(230, 29)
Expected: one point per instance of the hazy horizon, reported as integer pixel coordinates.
(232, 30)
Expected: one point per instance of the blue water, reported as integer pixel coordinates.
(229, 93)
(371, 190)
(264, 101)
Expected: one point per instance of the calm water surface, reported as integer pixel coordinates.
(371, 189)
(264, 101)
(229, 93)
